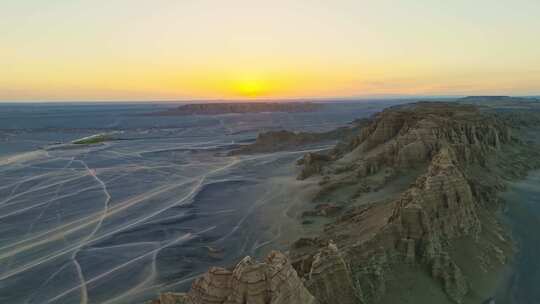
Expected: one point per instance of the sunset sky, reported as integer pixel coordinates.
(70, 50)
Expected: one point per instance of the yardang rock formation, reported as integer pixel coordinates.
(441, 226)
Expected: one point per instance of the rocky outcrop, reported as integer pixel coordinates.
(280, 140)
(312, 163)
(330, 277)
(285, 140)
(239, 107)
(249, 282)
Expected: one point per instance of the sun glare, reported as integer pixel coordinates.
(250, 88)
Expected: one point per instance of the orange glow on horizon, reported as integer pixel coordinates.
(180, 50)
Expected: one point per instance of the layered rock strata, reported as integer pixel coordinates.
(271, 282)
(403, 136)
(418, 227)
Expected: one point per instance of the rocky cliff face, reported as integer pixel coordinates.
(438, 207)
(415, 228)
(271, 282)
(404, 136)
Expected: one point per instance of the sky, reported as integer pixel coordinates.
(77, 50)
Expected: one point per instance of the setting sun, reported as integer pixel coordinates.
(250, 88)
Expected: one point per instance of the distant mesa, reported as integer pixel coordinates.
(493, 98)
(238, 108)
(500, 101)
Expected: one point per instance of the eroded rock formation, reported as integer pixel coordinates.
(404, 136)
(249, 282)
(459, 155)
(419, 226)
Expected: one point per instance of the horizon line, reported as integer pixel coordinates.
(290, 99)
